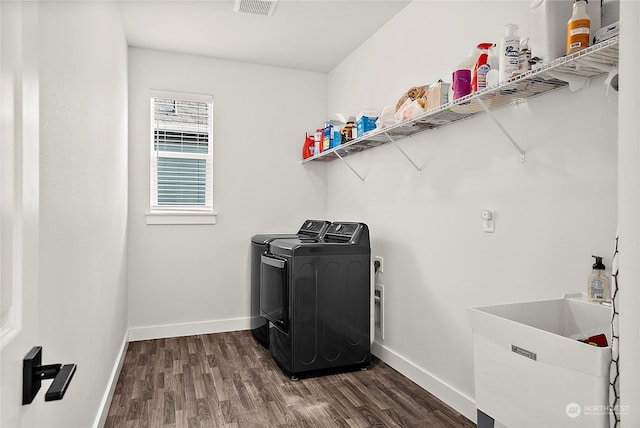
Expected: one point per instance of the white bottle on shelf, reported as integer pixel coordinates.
(509, 51)
(548, 27)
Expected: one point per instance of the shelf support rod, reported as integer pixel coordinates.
(504, 131)
(350, 167)
(403, 152)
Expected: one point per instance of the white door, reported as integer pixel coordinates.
(18, 205)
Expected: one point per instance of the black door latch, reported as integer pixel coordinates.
(33, 373)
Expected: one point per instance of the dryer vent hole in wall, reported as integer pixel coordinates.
(378, 314)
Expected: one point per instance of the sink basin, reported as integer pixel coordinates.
(531, 370)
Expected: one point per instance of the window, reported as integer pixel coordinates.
(181, 155)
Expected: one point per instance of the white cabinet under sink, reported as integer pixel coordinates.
(531, 370)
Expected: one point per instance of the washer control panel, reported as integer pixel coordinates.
(342, 232)
(313, 228)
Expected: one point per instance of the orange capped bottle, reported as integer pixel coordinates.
(578, 27)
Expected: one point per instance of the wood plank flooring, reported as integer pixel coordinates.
(229, 380)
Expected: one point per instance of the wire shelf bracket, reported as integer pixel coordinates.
(515, 145)
(397, 146)
(350, 167)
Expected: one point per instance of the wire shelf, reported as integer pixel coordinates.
(590, 62)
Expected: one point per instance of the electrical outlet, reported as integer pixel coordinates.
(488, 220)
(489, 226)
(381, 261)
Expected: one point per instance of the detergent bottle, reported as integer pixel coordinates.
(482, 67)
(462, 76)
(308, 149)
(509, 52)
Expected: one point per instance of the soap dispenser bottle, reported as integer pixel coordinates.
(598, 288)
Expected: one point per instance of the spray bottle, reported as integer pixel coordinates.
(482, 67)
(509, 51)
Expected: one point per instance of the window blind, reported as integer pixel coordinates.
(181, 155)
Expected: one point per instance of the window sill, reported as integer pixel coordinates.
(154, 218)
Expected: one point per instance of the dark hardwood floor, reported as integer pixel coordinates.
(229, 380)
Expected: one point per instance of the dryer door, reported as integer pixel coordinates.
(274, 295)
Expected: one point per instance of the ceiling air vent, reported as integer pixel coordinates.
(255, 7)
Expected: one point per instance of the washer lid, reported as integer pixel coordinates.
(265, 238)
(310, 228)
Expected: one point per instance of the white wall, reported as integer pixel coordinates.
(187, 279)
(629, 244)
(83, 201)
(19, 204)
(552, 212)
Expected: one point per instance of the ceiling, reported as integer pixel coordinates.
(313, 35)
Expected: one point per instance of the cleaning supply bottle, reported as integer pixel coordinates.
(308, 149)
(598, 288)
(524, 57)
(578, 27)
(493, 74)
(509, 51)
(462, 76)
(482, 67)
(317, 141)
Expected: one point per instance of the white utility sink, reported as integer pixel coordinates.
(531, 370)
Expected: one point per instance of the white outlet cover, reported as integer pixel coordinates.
(489, 226)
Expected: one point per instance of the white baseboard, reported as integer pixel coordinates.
(103, 410)
(188, 329)
(458, 401)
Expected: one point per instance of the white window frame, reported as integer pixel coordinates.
(180, 214)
